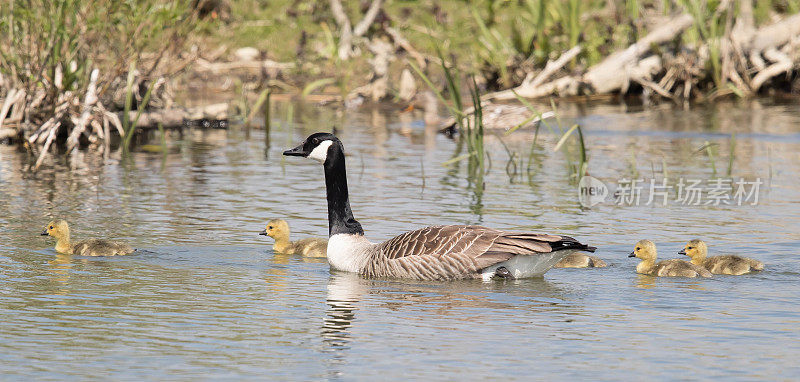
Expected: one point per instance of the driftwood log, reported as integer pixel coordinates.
(178, 116)
(770, 51)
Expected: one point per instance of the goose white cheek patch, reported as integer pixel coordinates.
(320, 153)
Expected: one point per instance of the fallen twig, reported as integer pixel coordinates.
(554, 66)
(88, 102)
(403, 43)
(50, 136)
(347, 31)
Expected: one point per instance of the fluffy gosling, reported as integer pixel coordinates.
(580, 260)
(59, 229)
(646, 251)
(278, 229)
(721, 265)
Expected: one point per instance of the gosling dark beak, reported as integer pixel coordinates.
(263, 233)
(297, 151)
(681, 252)
(44, 233)
(632, 254)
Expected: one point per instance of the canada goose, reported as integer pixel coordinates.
(580, 260)
(278, 229)
(646, 250)
(433, 253)
(500, 117)
(721, 265)
(59, 229)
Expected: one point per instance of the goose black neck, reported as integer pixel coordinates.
(340, 216)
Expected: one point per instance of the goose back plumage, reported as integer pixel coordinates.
(449, 252)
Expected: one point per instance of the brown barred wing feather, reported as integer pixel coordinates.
(457, 251)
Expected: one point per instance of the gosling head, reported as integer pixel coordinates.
(276, 228)
(645, 250)
(317, 146)
(695, 249)
(58, 229)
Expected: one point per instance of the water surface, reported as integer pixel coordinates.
(206, 297)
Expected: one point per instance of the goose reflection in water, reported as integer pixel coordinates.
(344, 291)
(446, 300)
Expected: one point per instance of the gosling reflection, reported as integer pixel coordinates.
(644, 281)
(277, 277)
(61, 270)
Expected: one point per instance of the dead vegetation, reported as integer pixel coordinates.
(74, 71)
(731, 57)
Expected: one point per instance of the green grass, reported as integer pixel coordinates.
(127, 125)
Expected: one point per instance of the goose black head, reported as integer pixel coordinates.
(316, 147)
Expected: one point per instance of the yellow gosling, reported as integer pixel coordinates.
(721, 265)
(278, 229)
(59, 229)
(646, 251)
(580, 260)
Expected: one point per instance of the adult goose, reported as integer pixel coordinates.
(445, 252)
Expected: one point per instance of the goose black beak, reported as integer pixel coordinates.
(681, 252)
(44, 233)
(632, 254)
(263, 233)
(297, 151)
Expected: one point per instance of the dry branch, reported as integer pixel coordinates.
(88, 103)
(554, 66)
(782, 64)
(775, 34)
(347, 31)
(176, 117)
(50, 136)
(401, 41)
(12, 97)
(221, 67)
(612, 73)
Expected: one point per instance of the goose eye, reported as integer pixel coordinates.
(315, 141)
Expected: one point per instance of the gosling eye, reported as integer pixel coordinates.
(689, 247)
(51, 227)
(638, 249)
(270, 227)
